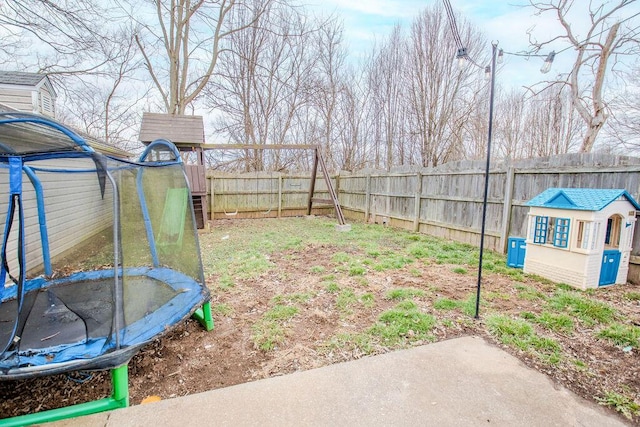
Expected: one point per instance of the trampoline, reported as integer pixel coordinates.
(99, 255)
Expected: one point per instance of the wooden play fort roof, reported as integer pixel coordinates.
(178, 129)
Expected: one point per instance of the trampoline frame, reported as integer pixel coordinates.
(117, 363)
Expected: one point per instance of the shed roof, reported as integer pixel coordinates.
(178, 129)
(583, 199)
(20, 78)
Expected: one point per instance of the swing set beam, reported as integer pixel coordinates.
(318, 161)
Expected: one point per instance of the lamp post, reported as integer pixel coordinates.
(494, 49)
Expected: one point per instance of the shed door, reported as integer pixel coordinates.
(609, 268)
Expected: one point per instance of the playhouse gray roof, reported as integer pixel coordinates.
(584, 199)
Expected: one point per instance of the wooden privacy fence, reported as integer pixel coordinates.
(445, 201)
(264, 194)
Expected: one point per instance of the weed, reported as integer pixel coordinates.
(459, 270)
(391, 261)
(622, 403)
(373, 252)
(555, 322)
(345, 300)
(357, 270)
(418, 250)
(316, 269)
(489, 296)
(225, 283)
(622, 335)
(529, 293)
(445, 304)
(340, 257)
(447, 323)
(281, 312)
(269, 331)
(564, 287)
(527, 315)
(579, 364)
(469, 305)
(300, 297)
(632, 296)
(404, 293)
(415, 272)
(222, 309)
(332, 287)
(267, 334)
(368, 300)
(361, 342)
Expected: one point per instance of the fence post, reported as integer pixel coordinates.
(387, 204)
(506, 208)
(417, 203)
(280, 196)
(367, 197)
(211, 200)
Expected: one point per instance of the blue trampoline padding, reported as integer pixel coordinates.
(190, 294)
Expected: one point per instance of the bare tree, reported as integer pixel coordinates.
(440, 93)
(608, 36)
(181, 48)
(330, 63)
(387, 87)
(510, 127)
(624, 128)
(264, 82)
(551, 124)
(62, 36)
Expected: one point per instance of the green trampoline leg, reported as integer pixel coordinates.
(119, 399)
(203, 315)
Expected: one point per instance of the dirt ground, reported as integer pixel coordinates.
(190, 360)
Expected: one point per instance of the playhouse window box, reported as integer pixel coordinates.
(548, 230)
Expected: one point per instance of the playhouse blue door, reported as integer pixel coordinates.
(609, 269)
(516, 252)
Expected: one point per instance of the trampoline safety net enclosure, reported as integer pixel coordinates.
(99, 255)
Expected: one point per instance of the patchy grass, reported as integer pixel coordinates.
(459, 270)
(632, 296)
(404, 293)
(529, 293)
(555, 322)
(402, 324)
(269, 330)
(621, 335)
(317, 269)
(520, 334)
(623, 403)
(299, 297)
(587, 310)
(222, 309)
(446, 304)
(380, 283)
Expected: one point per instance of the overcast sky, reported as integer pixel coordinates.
(505, 21)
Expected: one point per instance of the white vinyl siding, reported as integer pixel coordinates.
(75, 210)
(19, 99)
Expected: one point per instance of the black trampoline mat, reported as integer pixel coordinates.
(78, 311)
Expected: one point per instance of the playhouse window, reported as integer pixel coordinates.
(551, 230)
(584, 229)
(540, 229)
(612, 236)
